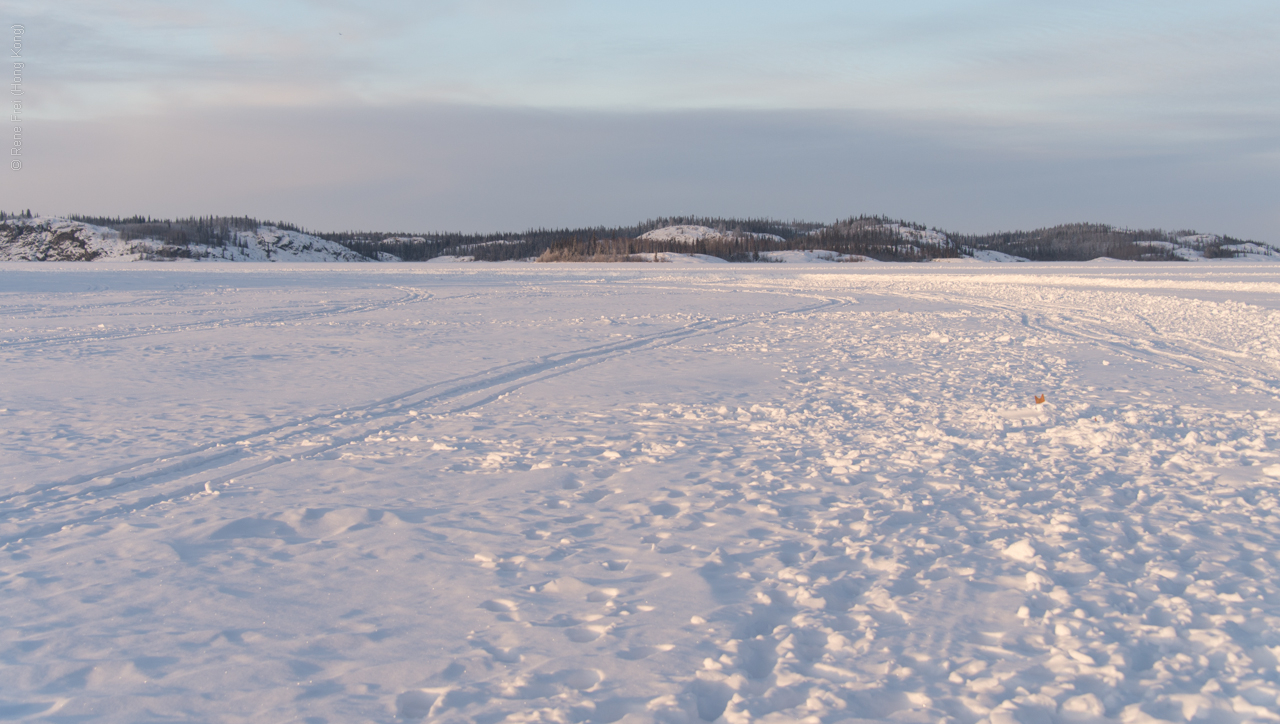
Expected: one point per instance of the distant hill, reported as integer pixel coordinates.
(1083, 242)
(28, 237)
(38, 238)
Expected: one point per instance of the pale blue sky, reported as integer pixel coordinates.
(1002, 93)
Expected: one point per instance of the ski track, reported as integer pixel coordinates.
(729, 496)
(410, 296)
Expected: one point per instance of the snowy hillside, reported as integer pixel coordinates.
(1085, 242)
(54, 239)
(988, 255)
(918, 236)
(43, 238)
(682, 233)
(1198, 246)
(268, 243)
(689, 234)
(936, 238)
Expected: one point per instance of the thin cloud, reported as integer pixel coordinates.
(1185, 89)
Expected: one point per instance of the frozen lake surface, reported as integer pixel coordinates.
(632, 492)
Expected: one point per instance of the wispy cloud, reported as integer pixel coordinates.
(974, 59)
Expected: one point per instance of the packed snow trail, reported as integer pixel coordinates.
(594, 494)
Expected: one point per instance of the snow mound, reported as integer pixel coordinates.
(1023, 551)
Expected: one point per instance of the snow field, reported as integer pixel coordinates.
(594, 494)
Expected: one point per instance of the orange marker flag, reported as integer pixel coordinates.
(1039, 399)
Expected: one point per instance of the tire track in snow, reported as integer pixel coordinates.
(484, 388)
(492, 376)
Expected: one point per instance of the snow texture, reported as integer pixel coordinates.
(640, 493)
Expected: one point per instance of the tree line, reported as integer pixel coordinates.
(739, 240)
(1083, 242)
(213, 231)
(871, 242)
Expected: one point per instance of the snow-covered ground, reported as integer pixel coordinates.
(640, 492)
